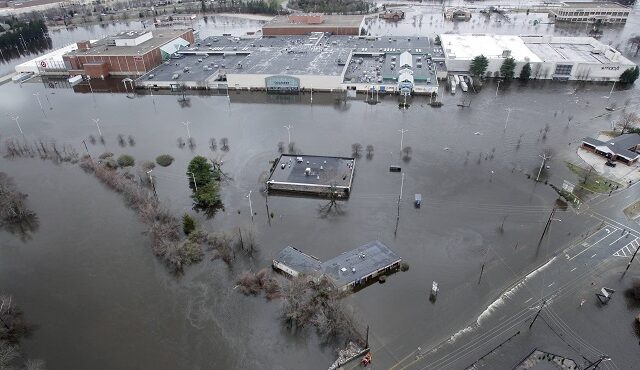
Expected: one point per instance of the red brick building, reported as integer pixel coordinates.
(303, 24)
(127, 53)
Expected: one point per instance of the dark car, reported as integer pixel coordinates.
(610, 163)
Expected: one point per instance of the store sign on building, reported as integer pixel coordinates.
(611, 68)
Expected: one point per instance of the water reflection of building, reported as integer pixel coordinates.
(592, 12)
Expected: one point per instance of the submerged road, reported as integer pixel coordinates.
(565, 273)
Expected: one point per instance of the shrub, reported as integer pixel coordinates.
(148, 165)
(106, 155)
(126, 160)
(164, 160)
(404, 267)
(207, 196)
(188, 224)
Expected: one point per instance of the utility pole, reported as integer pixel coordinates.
(289, 127)
(250, 206)
(186, 124)
(153, 185)
(594, 365)
(97, 121)
(544, 159)
(87, 149)
(195, 185)
(507, 120)
(632, 257)
(486, 251)
(399, 199)
(15, 118)
(402, 131)
(546, 227)
(544, 301)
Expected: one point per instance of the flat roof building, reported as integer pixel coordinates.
(312, 174)
(550, 57)
(126, 53)
(348, 270)
(302, 24)
(591, 11)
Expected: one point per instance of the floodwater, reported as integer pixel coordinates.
(100, 299)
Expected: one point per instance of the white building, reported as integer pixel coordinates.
(459, 50)
(550, 57)
(593, 12)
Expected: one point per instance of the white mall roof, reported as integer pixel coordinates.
(468, 46)
(47, 60)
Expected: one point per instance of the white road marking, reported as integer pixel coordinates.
(551, 284)
(573, 269)
(606, 236)
(615, 241)
(594, 255)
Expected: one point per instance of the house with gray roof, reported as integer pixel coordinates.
(348, 270)
(624, 148)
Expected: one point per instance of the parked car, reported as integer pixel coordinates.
(610, 163)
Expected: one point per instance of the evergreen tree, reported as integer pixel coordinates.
(630, 75)
(479, 65)
(525, 73)
(507, 70)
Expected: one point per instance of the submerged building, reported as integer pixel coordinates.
(348, 270)
(550, 57)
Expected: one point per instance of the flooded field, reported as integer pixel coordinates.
(101, 300)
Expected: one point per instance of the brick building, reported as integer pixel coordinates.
(303, 24)
(126, 53)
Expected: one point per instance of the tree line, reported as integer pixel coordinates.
(332, 6)
(22, 33)
(480, 63)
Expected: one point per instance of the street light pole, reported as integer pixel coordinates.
(15, 118)
(186, 124)
(402, 131)
(250, 206)
(37, 95)
(544, 159)
(497, 88)
(97, 121)
(153, 185)
(289, 127)
(507, 120)
(612, 87)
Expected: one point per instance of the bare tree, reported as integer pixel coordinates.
(331, 206)
(280, 147)
(628, 121)
(369, 150)
(192, 143)
(181, 143)
(212, 144)
(13, 209)
(355, 149)
(406, 153)
(292, 148)
(224, 142)
(247, 240)
(121, 141)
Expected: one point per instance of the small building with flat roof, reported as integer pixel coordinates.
(348, 270)
(302, 24)
(312, 174)
(624, 148)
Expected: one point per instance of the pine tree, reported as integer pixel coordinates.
(507, 70)
(479, 65)
(630, 75)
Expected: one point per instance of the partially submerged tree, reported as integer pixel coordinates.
(628, 122)
(164, 160)
(369, 151)
(479, 65)
(356, 148)
(188, 224)
(13, 209)
(126, 160)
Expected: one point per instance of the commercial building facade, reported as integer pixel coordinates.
(591, 12)
(125, 54)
